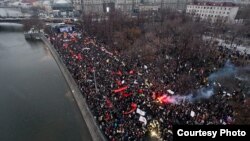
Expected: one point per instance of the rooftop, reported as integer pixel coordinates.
(215, 4)
(62, 3)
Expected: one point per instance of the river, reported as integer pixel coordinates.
(35, 101)
(12, 12)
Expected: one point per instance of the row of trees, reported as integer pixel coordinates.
(33, 22)
(148, 33)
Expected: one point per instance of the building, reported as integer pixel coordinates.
(170, 4)
(108, 5)
(241, 2)
(47, 5)
(89, 6)
(62, 8)
(77, 4)
(93, 6)
(142, 7)
(212, 11)
(244, 2)
(2, 3)
(126, 5)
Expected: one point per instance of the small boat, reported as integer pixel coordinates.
(32, 34)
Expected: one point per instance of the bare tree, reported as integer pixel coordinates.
(33, 22)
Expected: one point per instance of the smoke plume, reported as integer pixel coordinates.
(228, 70)
(200, 94)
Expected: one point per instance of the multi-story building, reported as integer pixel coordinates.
(128, 5)
(2, 2)
(77, 4)
(170, 4)
(62, 8)
(212, 11)
(95, 6)
(104, 5)
(242, 2)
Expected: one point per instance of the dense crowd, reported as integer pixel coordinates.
(125, 96)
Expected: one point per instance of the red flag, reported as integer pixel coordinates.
(126, 94)
(118, 82)
(65, 45)
(165, 99)
(120, 89)
(133, 105)
(109, 103)
(133, 108)
(107, 116)
(119, 73)
(140, 91)
(79, 56)
(131, 72)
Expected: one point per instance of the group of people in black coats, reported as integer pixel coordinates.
(116, 88)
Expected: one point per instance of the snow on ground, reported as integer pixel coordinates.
(222, 42)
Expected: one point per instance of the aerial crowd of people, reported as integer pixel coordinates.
(131, 100)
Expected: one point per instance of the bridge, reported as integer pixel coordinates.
(12, 20)
(12, 7)
(10, 14)
(15, 15)
(20, 19)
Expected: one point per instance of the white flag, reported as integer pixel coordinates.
(192, 114)
(170, 92)
(139, 111)
(143, 119)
